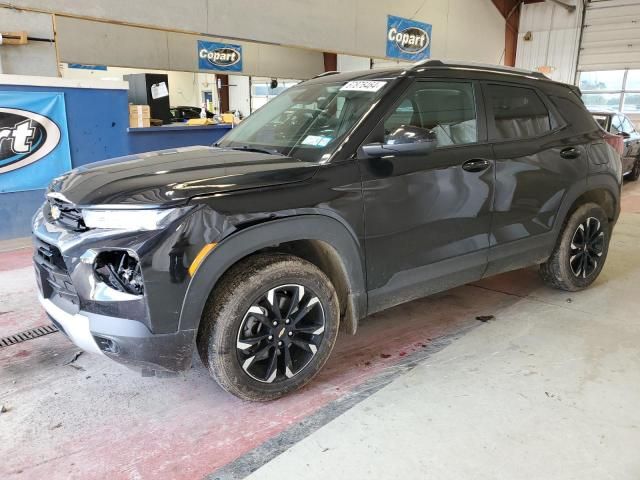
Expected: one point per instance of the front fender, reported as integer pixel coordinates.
(254, 238)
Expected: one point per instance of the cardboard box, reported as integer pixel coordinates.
(141, 111)
(139, 122)
(200, 121)
(228, 118)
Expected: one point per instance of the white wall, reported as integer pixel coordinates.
(84, 41)
(462, 29)
(35, 58)
(185, 88)
(239, 94)
(385, 63)
(555, 36)
(349, 63)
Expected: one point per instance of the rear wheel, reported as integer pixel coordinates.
(269, 327)
(581, 250)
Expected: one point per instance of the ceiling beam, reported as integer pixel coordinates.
(510, 11)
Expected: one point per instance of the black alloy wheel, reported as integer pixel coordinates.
(587, 246)
(269, 326)
(280, 333)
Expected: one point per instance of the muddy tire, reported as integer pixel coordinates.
(581, 250)
(269, 326)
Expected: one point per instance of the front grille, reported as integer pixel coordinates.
(53, 276)
(69, 217)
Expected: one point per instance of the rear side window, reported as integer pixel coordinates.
(517, 112)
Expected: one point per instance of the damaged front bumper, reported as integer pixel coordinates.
(138, 329)
(75, 326)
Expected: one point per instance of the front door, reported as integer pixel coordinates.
(428, 216)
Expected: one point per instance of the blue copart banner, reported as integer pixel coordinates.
(34, 140)
(226, 57)
(408, 39)
(82, 66)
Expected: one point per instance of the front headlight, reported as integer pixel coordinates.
(131, 218)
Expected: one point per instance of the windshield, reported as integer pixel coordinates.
(306, 121)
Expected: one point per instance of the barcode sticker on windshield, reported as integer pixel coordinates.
(316, 141)
(363, 86)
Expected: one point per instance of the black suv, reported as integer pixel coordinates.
(345, 195)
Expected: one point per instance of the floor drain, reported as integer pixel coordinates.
(27, 335)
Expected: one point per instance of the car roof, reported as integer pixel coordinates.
(496, 71)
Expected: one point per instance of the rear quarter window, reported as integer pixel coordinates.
(573, 110)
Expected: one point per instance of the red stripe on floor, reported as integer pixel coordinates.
(15, 259)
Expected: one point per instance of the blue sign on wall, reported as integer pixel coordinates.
(34, 142)
(82, 66)
(408, 39)
(225, 57)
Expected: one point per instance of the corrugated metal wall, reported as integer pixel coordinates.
(548, 37)
(611, 38)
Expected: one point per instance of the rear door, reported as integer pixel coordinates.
(632, 143)
(536, 162)
(616, 128)
(428, 216)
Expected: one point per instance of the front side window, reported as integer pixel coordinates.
(517, 112)
(447, 110)
(306, 121)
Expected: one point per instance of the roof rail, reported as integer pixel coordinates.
(477, 66)
(324, 74)
(429, 63)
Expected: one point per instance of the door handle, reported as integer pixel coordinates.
(476, 165)
(570, 153)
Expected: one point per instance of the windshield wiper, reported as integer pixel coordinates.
(246, 148)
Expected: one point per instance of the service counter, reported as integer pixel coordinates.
(175, 135)
(83, 121)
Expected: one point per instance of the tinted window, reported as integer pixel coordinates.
(616, 124)
(307, 121)
(447, 109)
(602, 120)
(517, 112)
(627, 126)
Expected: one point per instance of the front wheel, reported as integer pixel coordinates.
(581, 250)
(269, 327)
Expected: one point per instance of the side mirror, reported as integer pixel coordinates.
(403, 141)
(624, 135)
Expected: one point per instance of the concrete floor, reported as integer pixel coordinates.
(548, 389)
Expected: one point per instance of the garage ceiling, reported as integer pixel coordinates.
(611, 36)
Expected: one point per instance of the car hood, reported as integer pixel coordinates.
(172, 177)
